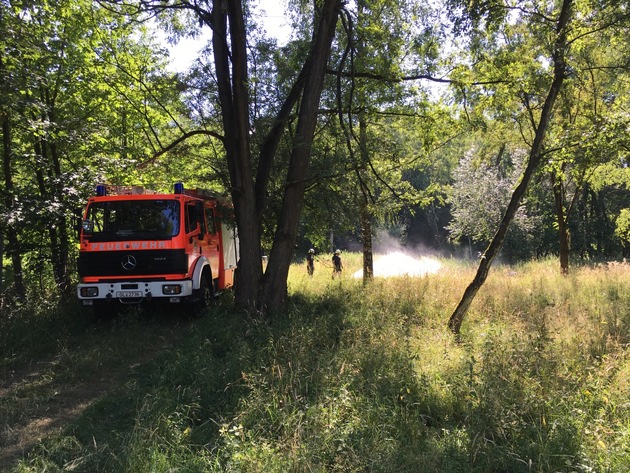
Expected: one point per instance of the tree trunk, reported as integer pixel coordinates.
(60, 227)
(563, 231)
(602, 224)
(270, 145)
(55, 223)
(366, 237)
(231, 70)
(275, 279)
(331, 241)
(13, 247)
(535, 157)
(366, 218)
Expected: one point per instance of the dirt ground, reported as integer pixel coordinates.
(36, 401)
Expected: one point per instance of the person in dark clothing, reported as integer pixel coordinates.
(337, 264)
(310, 262)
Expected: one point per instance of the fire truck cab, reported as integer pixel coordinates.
(139, 246)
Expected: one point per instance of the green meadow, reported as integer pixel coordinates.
(353, 377)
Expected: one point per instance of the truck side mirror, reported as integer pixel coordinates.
(87, 226)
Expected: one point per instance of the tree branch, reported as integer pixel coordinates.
(397, 80)
(179, 140)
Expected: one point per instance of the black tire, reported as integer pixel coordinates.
(206, 292)
(201, 298)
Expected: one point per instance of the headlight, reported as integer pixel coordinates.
(171, 289)
(89, 291)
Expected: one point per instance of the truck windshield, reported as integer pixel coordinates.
(134, 220)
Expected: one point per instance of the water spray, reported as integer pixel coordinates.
(401, 264)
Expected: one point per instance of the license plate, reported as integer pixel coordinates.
(126, 294)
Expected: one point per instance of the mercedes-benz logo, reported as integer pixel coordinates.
(128, 262)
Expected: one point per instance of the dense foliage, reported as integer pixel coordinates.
(425, 121)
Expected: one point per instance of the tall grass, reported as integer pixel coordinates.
(358, 377)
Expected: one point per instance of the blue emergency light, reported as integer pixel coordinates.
(179, 188)
(101, 190)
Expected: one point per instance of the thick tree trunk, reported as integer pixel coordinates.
(275, 279)
(535, 157)
(231, 70)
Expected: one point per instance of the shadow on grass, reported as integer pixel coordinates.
(48, 385)
(331, 385)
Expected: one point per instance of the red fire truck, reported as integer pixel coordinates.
(138, 246)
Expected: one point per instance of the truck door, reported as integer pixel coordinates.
(194, 233)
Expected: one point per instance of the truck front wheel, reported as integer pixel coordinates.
(206, 290)
(202, 298)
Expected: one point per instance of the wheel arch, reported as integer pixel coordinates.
(202, 266)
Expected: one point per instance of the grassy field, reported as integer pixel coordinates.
(366, 378)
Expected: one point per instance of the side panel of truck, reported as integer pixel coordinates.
(230, 254)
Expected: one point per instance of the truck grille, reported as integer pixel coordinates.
(132, 263)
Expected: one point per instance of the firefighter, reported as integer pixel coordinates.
(310, 262)
(337, 264)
